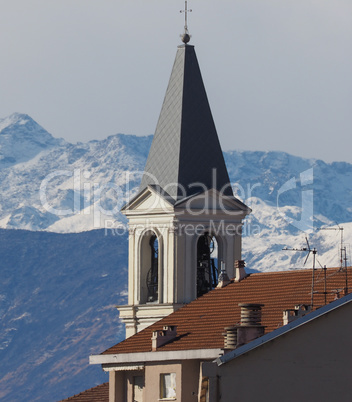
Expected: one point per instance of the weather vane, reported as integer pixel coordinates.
(186, 37)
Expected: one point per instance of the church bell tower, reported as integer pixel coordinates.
(185, 222)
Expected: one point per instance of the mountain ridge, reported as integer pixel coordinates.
(86, 184)
(119, 159)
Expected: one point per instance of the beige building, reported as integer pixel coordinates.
(210, 350)
(308, 360)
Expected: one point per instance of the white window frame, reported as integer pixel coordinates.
(168, 386)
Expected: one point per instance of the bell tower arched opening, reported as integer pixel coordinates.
(207, 263)
(153, 273)
(149, 268)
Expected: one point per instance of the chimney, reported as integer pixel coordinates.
(160, 338)
(299, 311)
(249, 328)
(240, 272)
(223, 279)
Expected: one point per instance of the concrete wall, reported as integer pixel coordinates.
(152, 377)
(117, 386)
(310, 363)
(190, 380)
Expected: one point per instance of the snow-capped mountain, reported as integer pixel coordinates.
(39, 189)
(21, 139)
(50, 184)
(58, 290)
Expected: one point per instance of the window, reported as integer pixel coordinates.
(168, 386)
(138, 386)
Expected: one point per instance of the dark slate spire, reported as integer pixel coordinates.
(185, 157)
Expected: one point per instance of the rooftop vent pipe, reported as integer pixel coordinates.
(240, 272)
(223, 279)
(251, 314)
(230, 338)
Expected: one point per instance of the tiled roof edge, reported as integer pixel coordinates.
(83, 393)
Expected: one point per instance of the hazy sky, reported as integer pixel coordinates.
(277, 72)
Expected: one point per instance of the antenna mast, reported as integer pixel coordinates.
(314, 252)
(343, 255)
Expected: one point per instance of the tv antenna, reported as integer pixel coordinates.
(343, 254)
(314, 252)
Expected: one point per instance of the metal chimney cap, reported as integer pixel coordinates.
(250, 305)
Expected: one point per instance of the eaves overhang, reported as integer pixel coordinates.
(143, 357)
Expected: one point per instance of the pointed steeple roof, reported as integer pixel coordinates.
(185, 157)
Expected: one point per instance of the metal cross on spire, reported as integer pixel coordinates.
(186, 36)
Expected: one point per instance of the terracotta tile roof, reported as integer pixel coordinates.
(96, 394)
(200, 324)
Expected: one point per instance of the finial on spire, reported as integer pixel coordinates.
(186, 37)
